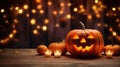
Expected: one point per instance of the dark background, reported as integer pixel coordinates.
(24, 38)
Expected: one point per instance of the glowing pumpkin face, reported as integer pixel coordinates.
(86, 42)
(83, 43)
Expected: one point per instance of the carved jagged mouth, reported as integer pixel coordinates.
(83, 44)
(81, 48)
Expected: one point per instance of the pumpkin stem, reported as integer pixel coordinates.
(83, 26)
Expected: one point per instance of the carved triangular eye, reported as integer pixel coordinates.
(83, 40)
(91, 36)
(75, 36)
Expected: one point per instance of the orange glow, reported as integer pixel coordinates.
(54, 12)
(99, 24)
(20, 11)
(2, 10)
(2, 41)
(57, 54)
(44, 28)
(32, 21)
(57, 25)
(118, 25)
(98, 15)
(10, 35)
(96, 1)
(77, 48)
(35, 31)
(25, 6)
(49, 3)
(94, 7)
(41, 11)
(109, 54)
(13, 26)
(62, 4)
(80, 48)
(38, 1)
(118, 8)
(48, 53)
(17, 8)
(68, 16)
(114, 33)
(82, 10)
(81, 6)
(91, 36)
(39, 6)
(61, 11)
(27, 15)
(4, 16)
(69, 4)
(38, 26)
(106, 25)
(15, 20)
(107, 14)
(114, 9)
(33, 11)
(11, 8)
(46, 21)
(110, 29)
(14, 31)
(75, 36)
(6, 21)
(83, 40)
(75, 9)
(89, 16)
(87, 48)
(117, 20)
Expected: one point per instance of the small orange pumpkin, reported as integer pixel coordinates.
(116, 49)
(57, 46)
(108, 47)
(41, 49)
(84, 42)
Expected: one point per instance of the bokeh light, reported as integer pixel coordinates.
(25, 6)
(68, 16)
(2, 10)
(20, 11)
(33, 21)
(44, 28)
(35, 31)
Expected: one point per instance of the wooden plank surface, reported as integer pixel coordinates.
(29, 57)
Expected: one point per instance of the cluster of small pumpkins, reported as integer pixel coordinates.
(114, 48)
(54, 46)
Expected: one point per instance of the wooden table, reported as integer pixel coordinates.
(29, 58)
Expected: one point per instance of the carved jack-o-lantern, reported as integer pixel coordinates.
(84, 43)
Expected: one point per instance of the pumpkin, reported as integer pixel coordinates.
(116, 49)
(84, 42)
(57, 47)
(41, 49)
(108, 47)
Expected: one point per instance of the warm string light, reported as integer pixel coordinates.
(7, 39)
(114, 33)
(14, 31)
(25, 6)
(114, 12)
(2, 10)
(33, 11)
(33, 21)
